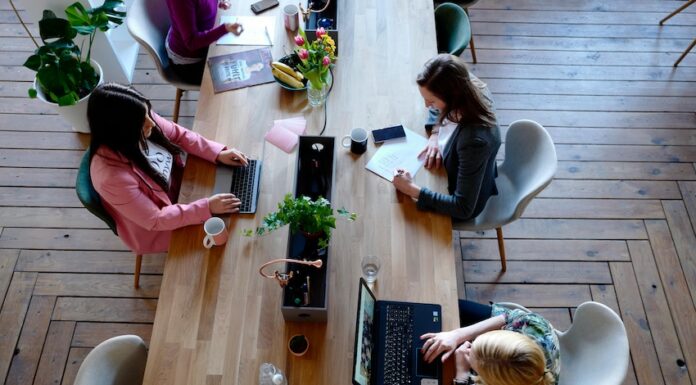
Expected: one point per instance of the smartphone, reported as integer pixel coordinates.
(388, 133)
(263, 5)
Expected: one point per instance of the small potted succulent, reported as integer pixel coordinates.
(313, 218)
(64, 77)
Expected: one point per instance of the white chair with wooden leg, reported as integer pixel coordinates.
(116, 361)
(529, 165)
(148, 22)
(693, 43)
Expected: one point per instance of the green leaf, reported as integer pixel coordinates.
(55, 28)
(32, 93)
(33, 62)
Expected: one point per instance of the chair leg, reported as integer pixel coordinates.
(473, 49)
(501, 248)
(136, 275)
(177, 102)
(693, 43)
(677, 11)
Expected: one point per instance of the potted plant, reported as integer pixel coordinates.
(313, 218)
(64, 78)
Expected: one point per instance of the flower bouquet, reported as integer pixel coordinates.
(316, 58)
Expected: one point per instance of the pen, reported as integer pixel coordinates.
(265, 28)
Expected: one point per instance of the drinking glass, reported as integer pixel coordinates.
(370, 267)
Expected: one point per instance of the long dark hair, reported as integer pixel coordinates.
(447, 77)
(116, 114)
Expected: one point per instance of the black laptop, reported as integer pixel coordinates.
(387, 341)
(241, 181)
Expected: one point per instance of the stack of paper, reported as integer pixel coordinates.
(398, 154)
(285, 133)
(258, 30)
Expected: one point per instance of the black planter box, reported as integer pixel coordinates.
(315, 171)
(331, 12)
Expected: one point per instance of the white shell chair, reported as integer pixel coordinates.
(116, 361)
(529, 165)
(595, 348)
(148, 22)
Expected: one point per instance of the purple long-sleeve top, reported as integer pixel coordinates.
(192, 29)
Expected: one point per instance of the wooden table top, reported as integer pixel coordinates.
(217, 320)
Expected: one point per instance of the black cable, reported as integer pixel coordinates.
(326, 113)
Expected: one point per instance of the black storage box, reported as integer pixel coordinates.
(331, 13)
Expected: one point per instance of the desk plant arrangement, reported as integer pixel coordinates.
(313, 218)
(63, 75)
(316, 58)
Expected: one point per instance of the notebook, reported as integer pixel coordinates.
(243, 182)
(387, 341)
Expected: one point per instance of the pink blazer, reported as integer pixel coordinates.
(144, 214)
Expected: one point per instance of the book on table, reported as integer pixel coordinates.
(241, 69)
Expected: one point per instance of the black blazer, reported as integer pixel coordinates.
(469, 159)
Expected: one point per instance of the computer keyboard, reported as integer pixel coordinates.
(245, 185)
(398, 341)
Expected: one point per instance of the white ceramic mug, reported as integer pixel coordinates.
(357, 141)
(290, 14)
(215, 232)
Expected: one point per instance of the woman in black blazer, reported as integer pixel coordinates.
(465, 140)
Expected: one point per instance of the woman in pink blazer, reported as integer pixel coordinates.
(137, 164)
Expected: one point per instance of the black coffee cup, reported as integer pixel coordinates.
(358, 141)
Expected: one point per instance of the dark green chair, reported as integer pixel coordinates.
(452, 28)
(92, 202)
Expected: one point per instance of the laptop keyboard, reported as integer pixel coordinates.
(398, 341)
(243, 185)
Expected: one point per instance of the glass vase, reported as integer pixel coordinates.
(317, 96)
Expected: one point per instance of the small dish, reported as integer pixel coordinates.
(290, 60)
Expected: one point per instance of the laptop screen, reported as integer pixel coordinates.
(364, 335)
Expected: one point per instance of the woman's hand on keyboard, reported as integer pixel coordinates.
(437, 343)
(224, 204)
(233, 157)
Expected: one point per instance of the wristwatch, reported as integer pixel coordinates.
(464, 381)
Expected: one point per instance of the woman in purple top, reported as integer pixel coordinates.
(190, 34)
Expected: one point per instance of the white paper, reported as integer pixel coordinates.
(398, 154)
(258, 30)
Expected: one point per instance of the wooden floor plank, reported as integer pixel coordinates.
(601, 119)
(607, 31)
(625, 170)
(31, 341)
(62, 261)
(37, 177)
(564, 229)
(584, 5)
(676, 289)
(585, 58)
(657, 311)
(12, 316)
(536, 272)
(594, 208)
(639, 337)
(618, 189)
(44, 197)
(105, 309)
(47, 141)
(596, 103)
(64, 239)
(38, 217)
(533, 71)
(600, 44)
(91, 334)
(612, 153)
(529, 295)
(684, 241)
(577, 17)
(75, 358)
(35, 123)
(688, 190)
(8, 260)
(96, 285)
(544, 250)
(40, 159)
(593, 88)
(55, 353)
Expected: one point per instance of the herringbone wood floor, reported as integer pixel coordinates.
(616, 225)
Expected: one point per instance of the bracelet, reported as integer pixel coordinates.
(467, 381)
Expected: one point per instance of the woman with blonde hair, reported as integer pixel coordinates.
(524, 352)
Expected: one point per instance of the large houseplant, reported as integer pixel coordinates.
(313, 218)
(64, 76)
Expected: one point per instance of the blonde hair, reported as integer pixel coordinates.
(505, 357)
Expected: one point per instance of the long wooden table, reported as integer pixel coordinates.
(217, 319)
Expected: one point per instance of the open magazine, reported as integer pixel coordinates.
(241, 69)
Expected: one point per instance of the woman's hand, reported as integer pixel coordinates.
(403, 181)
(461, 360)
(233, 157)
(224, 204)
(437, 343)
(224, 5)
(431, 153)
(235, 28)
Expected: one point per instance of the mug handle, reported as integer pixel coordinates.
(208, 241)
(343, 141)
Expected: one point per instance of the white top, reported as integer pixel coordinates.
(444, 134)
(160, 159)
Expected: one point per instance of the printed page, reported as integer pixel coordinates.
(398, 154)
(258, 30)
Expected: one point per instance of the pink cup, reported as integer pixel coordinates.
(290, 16)
(215, 232)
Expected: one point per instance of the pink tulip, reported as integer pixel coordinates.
(321, 32)
(325, 61)
(299, 40)
(303, 54)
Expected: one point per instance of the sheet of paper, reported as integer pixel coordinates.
(258, 30)
(398, 154)
(285, 133)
